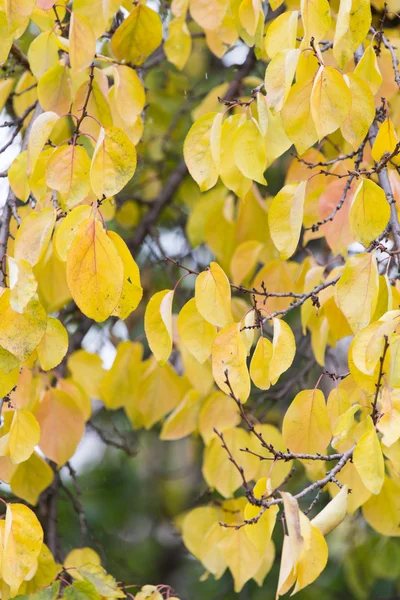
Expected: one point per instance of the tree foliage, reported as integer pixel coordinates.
(269, 193)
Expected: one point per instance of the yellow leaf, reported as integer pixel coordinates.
(39, 134)
(197, 152)
(218, 471)
(104, 583)
(7, 380)
(297, 118)
(369, 212)
(217, 412)
(61, 425)
(306, 427)
(285, 217)
(281, 33)
(66, 231)
(43, 53)
(53, 345)
(196, 334)
(82, 42)
(34, 235)
(260, 532)
(244, 260)
(279, 77)
(80, 557)
(22, 282)
(53, 90)
(21, 333)
(333, 514)
(362, 111)
(68, 172)
(241, 556)
(229, 355)
(158, 325)
(183, 420)
(284, 350)
(357, 289)
(213, 296)
(94, 271)
(17, 177)
(138, 35)
(276, 141)
(267, 562)
(31, 478)
(314, 555)
(359, 493)
(352, 26)
(368, 69)
(23, 436)
(196, 528)
(382, 512)
(52, 281)
(160, 391)
(23, 539)
(337, 404)
(132, 290)
(178, 46)
(316, 17)
(230, 175)
(386, 140)
(249, 12)
(249, 151)
(260, 363)
(330, 101)
(113, 162)
(129, 93)
(368, 459)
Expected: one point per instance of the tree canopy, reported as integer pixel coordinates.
(200, 237)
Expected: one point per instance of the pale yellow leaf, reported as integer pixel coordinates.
(213, 296)
(53, 345)
(158, 325)
(229, 360)
(368, 459)
(196, 334)
(369, 212)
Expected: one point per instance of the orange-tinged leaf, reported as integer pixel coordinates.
(229, 355)
(94, 271)
(113, 162)
(61, 425)
(306, 427)
(158, 325)
(68, 172)
(76, 391)
(368, 459)
(206, 15)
